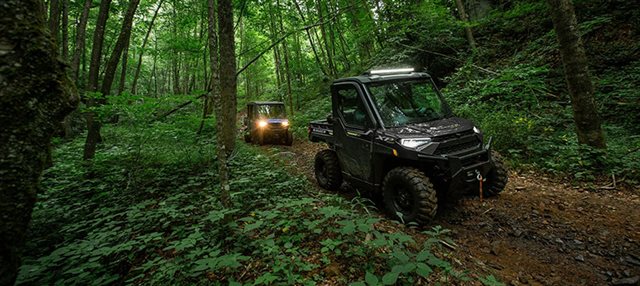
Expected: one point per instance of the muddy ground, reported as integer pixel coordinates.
(539, 231)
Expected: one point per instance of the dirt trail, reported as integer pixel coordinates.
(537, 232)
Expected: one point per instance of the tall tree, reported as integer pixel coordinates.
(228, 104)
(65, 30)
(144, 44)
(467, 29)
(54, 19)
(285, 51)
(313, 46)
(123, 68)
(93, 135)
(81, 30)
(574, 60)
(175, 59)
(93, 132)
(36, 94)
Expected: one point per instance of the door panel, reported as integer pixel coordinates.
(353, 130)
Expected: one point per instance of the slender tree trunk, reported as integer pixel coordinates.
(285, 50)
(313, 46)
(574, 60)
(467, 29)
(227, 72)
(154, 69)
(36, 94)
(144, 44)
(123, 68)
(93, 134)
(65, 30)
(323, 33)
(223, 172)
(80, 40)
(176, 55)
(94, 70)
(54, 19)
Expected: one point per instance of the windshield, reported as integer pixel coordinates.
(270, 111)
(401, 103)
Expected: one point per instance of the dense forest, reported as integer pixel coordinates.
(122, 159)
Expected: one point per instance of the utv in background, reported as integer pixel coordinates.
(392, 132)
(267, 121)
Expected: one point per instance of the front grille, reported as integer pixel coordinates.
(443, 138)
(457, 148)
(275, 126)
(457, 144)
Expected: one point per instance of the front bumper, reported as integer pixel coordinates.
(273, 133)
(460, 172)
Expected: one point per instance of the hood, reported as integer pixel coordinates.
(432, 128)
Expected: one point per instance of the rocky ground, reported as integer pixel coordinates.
(539, 231)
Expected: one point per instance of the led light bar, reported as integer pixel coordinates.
(392, 71)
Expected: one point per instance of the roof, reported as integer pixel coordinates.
(367, 78)
(265, 103)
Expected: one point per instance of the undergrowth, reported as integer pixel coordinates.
(146, 211)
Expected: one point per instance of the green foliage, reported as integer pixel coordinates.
(530, 123)
(146, 211)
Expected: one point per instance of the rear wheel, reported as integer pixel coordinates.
(497, 178)
(327, 170)
(260, 138)
(409, 195)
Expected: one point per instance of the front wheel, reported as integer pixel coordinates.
(289, 139)
(497, 178)
(409, 195)
(327, 170)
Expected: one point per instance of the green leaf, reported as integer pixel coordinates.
(371, 279)
(390, 278)
(424, 255)
(253, 226)
(423, 269)
(401, 256)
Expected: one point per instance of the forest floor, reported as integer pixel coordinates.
(539, 231)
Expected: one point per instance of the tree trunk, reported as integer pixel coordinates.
(144, 44)
(36, 95)
(313, 47)
(323, 33)
(176, 54)
(228, 105)
(287, 68)
(574, 60)
(94, 71)
(123, 68)
(65, 30)
(214, 62)
(54, 19)
(94, 125)
(80, 40)
(467, 29)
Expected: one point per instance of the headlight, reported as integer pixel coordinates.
(476, 130)
(262, 124)
(414, 142)
(285, 123)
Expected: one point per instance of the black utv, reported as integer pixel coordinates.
(267, 121)
(392, 132)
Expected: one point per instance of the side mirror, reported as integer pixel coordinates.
(330, 119)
